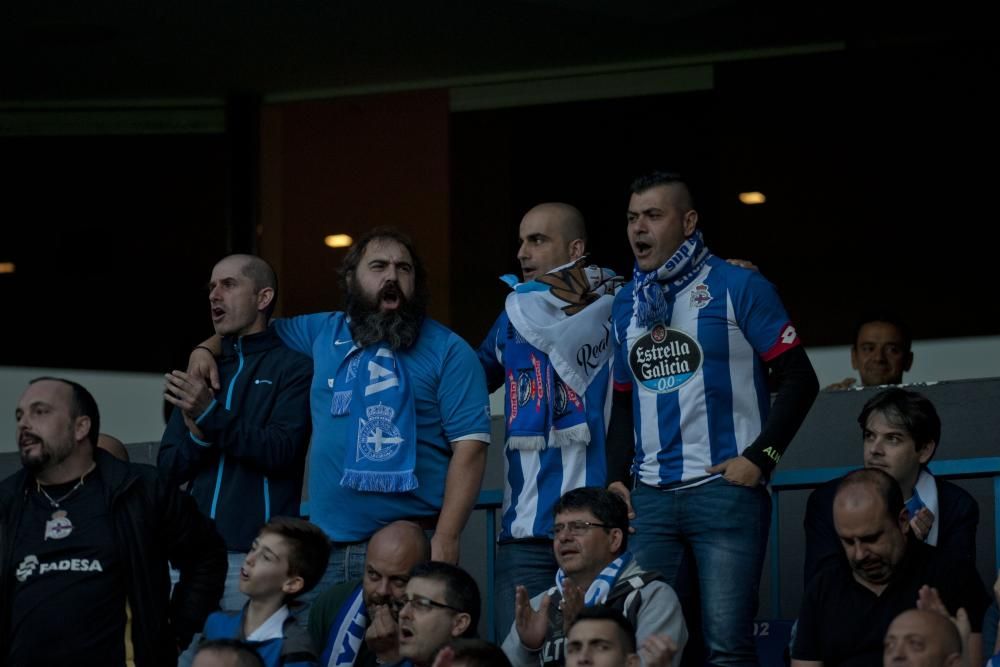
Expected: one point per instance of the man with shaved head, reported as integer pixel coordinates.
(241, 451)
(922, 638)
(850, 604)
(549, 350)
(355, 622)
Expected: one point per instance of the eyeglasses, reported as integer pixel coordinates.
(577, 528)
(421, 604)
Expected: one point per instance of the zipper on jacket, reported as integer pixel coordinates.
(232, 383)
(218, 485)
(238, 346)
(267, 502)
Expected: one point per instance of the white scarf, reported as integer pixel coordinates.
(567, 315)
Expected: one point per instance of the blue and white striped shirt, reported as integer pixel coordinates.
(700, 386)
(535, 480)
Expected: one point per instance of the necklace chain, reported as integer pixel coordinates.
(55, 503)
(79, 483)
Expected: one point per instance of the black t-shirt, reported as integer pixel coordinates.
(68, 605)
(844, 623)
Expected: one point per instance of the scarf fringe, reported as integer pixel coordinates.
(342, 402)
(380, 482)
(574, 436)
(526, 443)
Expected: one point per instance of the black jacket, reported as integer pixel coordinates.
(152, 522)
(256, 435)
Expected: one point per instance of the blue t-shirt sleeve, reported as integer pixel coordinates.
(462, 396)
(300, 332)
(490, 353)
(762, 317)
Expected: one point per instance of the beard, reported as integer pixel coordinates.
(397, 328)
(47, 454)
(36, 463)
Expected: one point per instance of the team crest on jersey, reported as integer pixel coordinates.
(378, 438)
(58, 527)
(700, 296)
(665, 359)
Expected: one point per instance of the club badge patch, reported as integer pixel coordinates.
(525, 387)
(700, 296)
(58, 527)
(664, 359)
(378, 438)
(566, 400)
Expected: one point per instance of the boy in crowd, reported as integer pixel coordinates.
(286, 560)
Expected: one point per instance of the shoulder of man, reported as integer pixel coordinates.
(952, 494)
(116, 474)
(283, 356)
(12, 484)
(438, 339)
(296, 647)
(821, 497)
(333, 598)
(625, 294)
(326, 607)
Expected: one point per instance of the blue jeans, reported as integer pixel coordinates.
(528, 564)
(726, 527)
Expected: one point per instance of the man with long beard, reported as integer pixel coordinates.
(400, 413)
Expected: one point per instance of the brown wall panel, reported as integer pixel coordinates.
(344, 166)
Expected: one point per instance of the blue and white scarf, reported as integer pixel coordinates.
(560, 337)
(347, 632)
(566, 314)
(655, 290)
(602, 584)
(540, 409)
(925, 495)
(372, 389)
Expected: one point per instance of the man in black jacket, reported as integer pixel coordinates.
(84, 545)
(243, 450)
(901, 430)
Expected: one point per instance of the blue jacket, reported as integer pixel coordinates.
(292, 649)
(249, 464)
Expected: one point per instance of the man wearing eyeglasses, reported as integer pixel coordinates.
(441, 604)
(595, 569)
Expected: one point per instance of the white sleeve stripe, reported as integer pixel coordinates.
(482, 437)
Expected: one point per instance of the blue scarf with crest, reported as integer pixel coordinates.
(371, 389)
(655, 290)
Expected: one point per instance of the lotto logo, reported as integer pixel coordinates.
(27, 567)
(789, 335)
